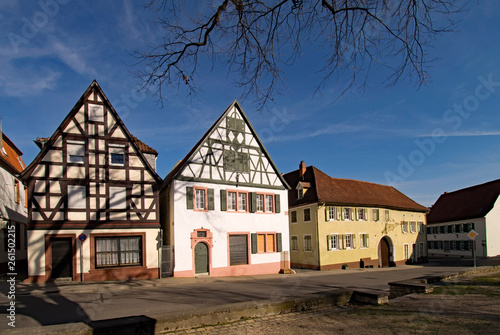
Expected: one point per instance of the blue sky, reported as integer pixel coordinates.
(441, 137)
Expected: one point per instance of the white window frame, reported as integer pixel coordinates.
(387, 215)
(334, 242)
(406, 251)
(76, 149)
(259, 199)
(200, 199)
(310, 244)
(413, 227)
(116, 149)
(77, 197)
(332, 213)
(363, 241)
(300, 193)
(349, 241)
(404, 227)
(347, 213)
(376, 217)
(269, 203)
(304, 213)
(232, 203)
(120, 193)
(242, 202)
(361, 214)
(421, 227)
(294, 246)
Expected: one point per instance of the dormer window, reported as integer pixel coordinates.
(300, 193)
(302, 188)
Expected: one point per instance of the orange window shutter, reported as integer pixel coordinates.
(261, 242)
(270, 243)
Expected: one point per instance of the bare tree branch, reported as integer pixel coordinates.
(255, 39)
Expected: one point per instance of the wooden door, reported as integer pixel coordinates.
(384, 253)
(62, 257)
(201, 258)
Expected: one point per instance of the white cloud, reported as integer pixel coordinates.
(467, 133)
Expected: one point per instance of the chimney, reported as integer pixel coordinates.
(302, 169)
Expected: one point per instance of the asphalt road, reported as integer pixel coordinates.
(92, 302)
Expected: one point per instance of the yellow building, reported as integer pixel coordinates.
(338, 223)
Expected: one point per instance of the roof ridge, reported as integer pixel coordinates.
(472, 187)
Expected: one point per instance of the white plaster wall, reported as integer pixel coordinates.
(479, 227)
(221, 223)
(493, 230)
(36, 250)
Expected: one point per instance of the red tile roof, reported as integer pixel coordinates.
(347, 192)
(11, 157)
(143, 146)
(468, 203)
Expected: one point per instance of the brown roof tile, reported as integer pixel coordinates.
(143, 146)
(347, 192)
(468, 203)
(12, 155)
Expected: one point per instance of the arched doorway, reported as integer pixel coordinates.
(384, 253)
(201, 258)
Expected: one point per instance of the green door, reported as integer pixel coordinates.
(201, 258)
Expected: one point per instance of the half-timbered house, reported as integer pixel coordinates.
(93, 199)
(224, 206)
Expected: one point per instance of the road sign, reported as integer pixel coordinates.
(472, 234)
(82, 237)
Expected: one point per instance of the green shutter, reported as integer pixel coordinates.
(367, 240)
(253, 202)
(223, 203)
(365, 212)
(211, 205)
(254, 243)
(327, 213)
(278, 242)
(339, 213)
(328, 242)
(189, 197)
(277, 205)
(354, 214)
(354, 241)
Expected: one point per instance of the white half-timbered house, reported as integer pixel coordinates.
(224, 207)
(93, 199)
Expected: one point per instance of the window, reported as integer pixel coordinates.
(300, 193)
(362, 214)
(200, 199)
(269, 203)
(442, 229)
(265, 243)
(238, 249)
(260, 202)
(118, 251)
(231, 201)
(307, 214)
(293, 216)
(363, 241)
(77, 197)
(294, 243)
(347, 213)
(307, 243)
(375, 213)
(421, 227)
(387, 215)
(235, 124)
(333, 241)
(236, 161)
(450, 229)
(116, 154)
(406, 251)
(25, 197)
(17, 194)
(446, 245)
(237, 202)
(458, 228)
(331, 213)
(117, 198)
(96, 113)
(242, 202)
(76, 152)
(404, 227)
(349, 241)
(413, 227)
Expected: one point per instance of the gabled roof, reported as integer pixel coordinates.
(50, 142)
(178, 168)
(11, 157)
(468, 203)
(348, 192)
